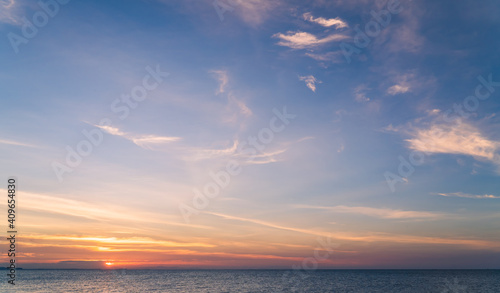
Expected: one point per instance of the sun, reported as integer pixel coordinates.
(109, 263)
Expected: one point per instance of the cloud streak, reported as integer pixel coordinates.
(336, 22)
(223, 79)
(378, 212)
(368, 238)
(8, 12)
(16, 143)
(334, 57)
(143, 141)
(360, 94)
(397, 89)
(302, 40)
(235, 107)
(56, 205)
(466, 195)
(255, 12)
(235, 151)
(310, 82)
(458, 138)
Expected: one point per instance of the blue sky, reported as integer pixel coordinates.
(324, 175)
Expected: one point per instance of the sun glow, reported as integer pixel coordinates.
(109, 263)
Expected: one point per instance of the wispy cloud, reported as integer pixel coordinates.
(144, 141)
(254, 12)
(266, 157)
(458, 138)
(8, 12)
(302, 40)
(360, 94)
(310, 82)
(334, 57)
(61, 206)
(7, 3)
(268, 224)
(235, 152)
(305, 138)
(392, 128)
(223, 79)
(409, 81)
(112, 130)
(250, 12)
(148, 140)
(341, 148)
(370, 237)
(242, 152)
(240, 105)
(199, 154)
(377, 212)
(406, 36)
(466, 195)
(116, 241)
(336, 22)
(11, 142)
(235, 107)
(398, 89)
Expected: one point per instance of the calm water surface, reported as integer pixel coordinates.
(192, 281)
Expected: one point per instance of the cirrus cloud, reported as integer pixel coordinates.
(302, 40)
(467, 195)
(382, 213)
(458, 138)
(398, 89)
(336, 22)
(144, 141)
(310, 82)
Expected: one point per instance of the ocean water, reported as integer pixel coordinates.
(217, 281)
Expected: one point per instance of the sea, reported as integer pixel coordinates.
(217, 281)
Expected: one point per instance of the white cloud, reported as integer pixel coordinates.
(223, 79)
(241, 151)
(466, 195)
(251, 12)
(254, 12)
(199, 154)
(143, 141)
(337, 22)
(7, 3)
(364, 237)
(329, 56)
(360, 94)
(341, 148)
(112, 130)
(243, 108)
(433, 111)
(301, 40)
(8, 12)
(11, 142)
(310, 82)
(391, 128)
(61, 205)
(398, 89)
(148, 140)
(410, 81)
(305, 138)
(458, 138)
(406, 36)
(265, 157)
(235, 107)
(236, 151)
(378, 212)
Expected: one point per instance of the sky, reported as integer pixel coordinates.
(252, 134)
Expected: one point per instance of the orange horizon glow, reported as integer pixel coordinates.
(267, 243)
